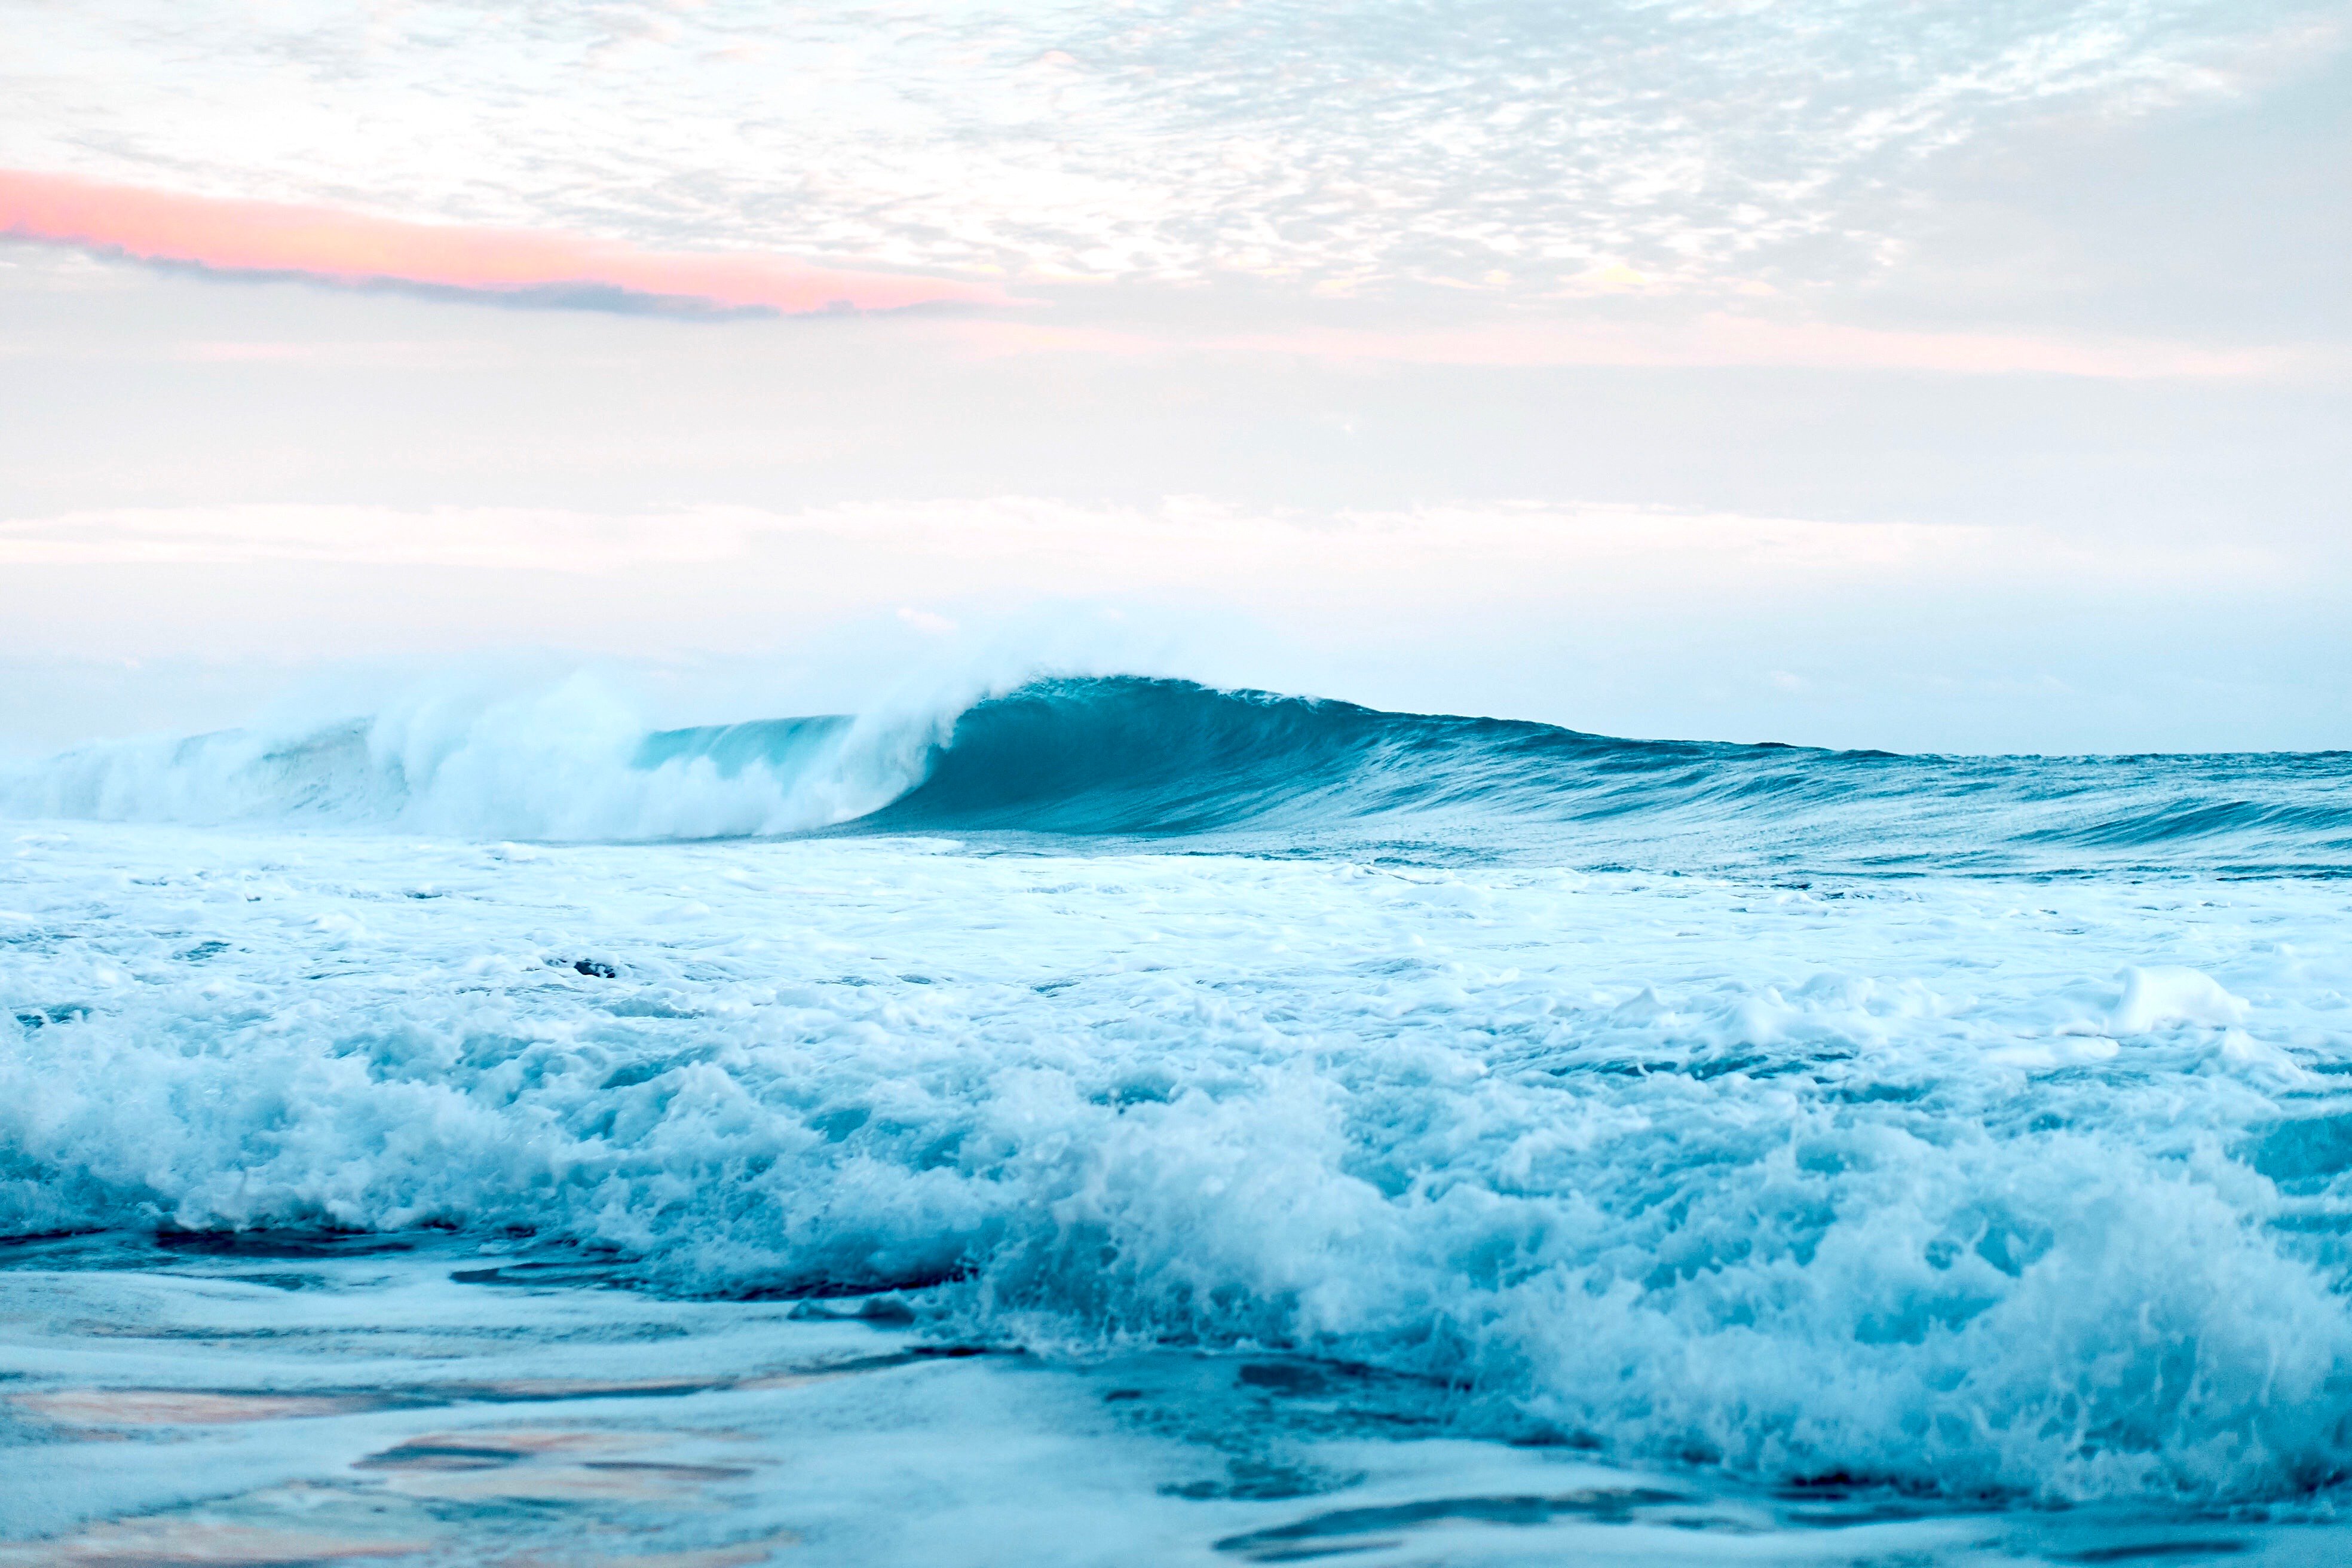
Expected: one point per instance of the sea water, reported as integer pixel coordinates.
(1113, 1121)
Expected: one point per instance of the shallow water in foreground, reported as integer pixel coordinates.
(1343, 1153)
(298, 1400)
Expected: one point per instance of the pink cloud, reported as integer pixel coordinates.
(342, 247)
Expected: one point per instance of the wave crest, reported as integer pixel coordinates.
(1134, 757)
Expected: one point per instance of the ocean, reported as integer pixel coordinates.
(1112, 1121)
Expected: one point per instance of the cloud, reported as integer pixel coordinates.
(481, 538)
(1497, 146)
(1029, 545)
(1711, 338)
(512, 265)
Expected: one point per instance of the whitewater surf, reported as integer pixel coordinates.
(1172, 1124)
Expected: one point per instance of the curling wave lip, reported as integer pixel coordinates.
(333, 245)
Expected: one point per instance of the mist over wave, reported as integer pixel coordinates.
(1122, 758)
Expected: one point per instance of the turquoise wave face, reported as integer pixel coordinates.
(1128, 758)
(1146, 758)
(1136, 758)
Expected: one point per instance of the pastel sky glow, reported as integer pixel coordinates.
(348, 247)
(1928, 375)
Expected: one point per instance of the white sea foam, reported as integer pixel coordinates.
(2172, 995)
(556, 760)
(1969, 1184)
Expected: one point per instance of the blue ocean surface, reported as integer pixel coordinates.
(1115, 1121)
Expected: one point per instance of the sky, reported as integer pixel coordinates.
(1899, 373)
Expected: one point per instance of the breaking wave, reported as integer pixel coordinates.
(1126, 757)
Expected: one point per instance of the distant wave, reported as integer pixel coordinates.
(1129, 757)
